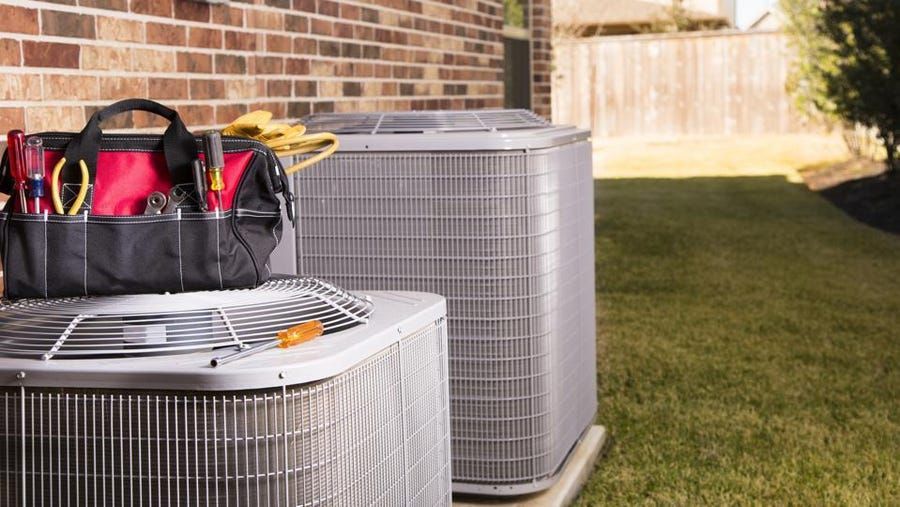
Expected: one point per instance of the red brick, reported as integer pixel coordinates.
(296, 66)
(18, 20)
(116, 5)
(192, 11)
(225, 15)
(194, 62)
(143, 119)
(54, 118)
(204, 37)
(119, 87)
(227, 114)
(242, 41)
(106, 58)
(305, 88)
(322, 27)
(304, 46)
(50, 54)
(305, 5)
(298, 110)
(67, 24)
(12, 118)
(68, 87)
(165, 88)
(20, 87)
(278, 88)
(167, 34)
(10, 52)
(119, 29)
(207, 89)
(153, 7)
(269, 65)
(351, 12)
(267, 20)
(197, 115)
(230, 64)
(328, 8)
(295, 23)
(278, 44)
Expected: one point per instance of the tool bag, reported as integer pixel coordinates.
(110, 246)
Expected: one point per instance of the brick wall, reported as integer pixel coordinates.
(541, 56)
(61, 60)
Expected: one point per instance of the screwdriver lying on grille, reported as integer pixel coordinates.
(286, 338)
(215, 163)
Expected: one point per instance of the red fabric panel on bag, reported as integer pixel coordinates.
(125, 179)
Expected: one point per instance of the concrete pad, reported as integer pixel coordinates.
(574, 475)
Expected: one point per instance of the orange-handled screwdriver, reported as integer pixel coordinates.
(288, 338)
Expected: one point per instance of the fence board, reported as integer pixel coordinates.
(700, 83)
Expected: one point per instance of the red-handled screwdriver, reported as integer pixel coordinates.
(15, 148)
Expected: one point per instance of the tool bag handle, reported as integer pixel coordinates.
(178, 143)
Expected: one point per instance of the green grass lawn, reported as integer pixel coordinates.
(749, 346)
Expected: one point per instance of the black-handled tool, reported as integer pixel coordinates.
(215, 163)
(200, 183)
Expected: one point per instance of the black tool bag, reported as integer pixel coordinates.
(110, 246)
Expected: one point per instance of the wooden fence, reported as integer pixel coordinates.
(691, 84)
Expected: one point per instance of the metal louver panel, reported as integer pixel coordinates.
(507, 237)
(424, 122)
(377, 434)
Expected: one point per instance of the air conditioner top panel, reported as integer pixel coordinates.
(478, 130)
(397, 314)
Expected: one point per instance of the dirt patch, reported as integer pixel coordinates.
(862, 190)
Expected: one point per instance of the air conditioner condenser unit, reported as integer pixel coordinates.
(113, 400)
(494, 210)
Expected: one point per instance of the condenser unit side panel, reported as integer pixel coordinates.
(377, 434)
(507, 238)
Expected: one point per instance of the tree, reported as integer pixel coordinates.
(848, 64)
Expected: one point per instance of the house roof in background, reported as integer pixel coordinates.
(620, 12)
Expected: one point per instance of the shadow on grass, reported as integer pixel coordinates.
(874, 200)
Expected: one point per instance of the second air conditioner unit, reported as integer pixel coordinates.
(494, 210)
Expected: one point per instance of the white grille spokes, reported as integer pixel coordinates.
(150, 324)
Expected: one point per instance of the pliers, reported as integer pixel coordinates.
(82, 191)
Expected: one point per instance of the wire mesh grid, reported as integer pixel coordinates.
(424, 121)
(375, 435)
(507, 237)
(143, 325)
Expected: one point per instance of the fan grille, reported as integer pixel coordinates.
(422, 122)
(147, 325)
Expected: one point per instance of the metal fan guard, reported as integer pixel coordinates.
(160, 324)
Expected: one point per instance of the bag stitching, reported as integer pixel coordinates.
(85, 253)
(219, 255)
(96, 220)
(180, 265)
(46, 221)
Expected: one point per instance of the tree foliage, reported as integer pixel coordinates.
(513, 13)
(848, 65)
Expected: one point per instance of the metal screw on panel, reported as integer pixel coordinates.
(282, 374)
(20, 375)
